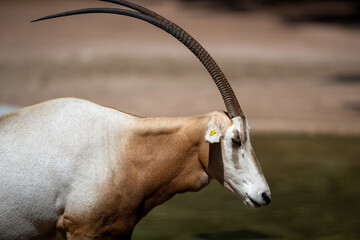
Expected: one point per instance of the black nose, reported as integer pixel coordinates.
(266, 198)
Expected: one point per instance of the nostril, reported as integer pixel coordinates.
(266, 198)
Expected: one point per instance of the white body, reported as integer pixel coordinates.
(53, 156)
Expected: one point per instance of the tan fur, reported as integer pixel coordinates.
(162, 157)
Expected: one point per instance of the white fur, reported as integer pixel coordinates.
(49, 155)
(243, 175)
(213, 132)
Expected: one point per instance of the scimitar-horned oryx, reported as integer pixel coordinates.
(71, 169)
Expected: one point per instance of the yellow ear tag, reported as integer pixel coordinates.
(212, 132)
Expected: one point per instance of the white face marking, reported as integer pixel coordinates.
(242, 172)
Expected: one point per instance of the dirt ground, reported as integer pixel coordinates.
(302, 77)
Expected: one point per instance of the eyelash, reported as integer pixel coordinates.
(236, 142)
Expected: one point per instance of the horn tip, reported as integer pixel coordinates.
(39, 19)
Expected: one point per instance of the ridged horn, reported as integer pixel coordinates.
(228, 95)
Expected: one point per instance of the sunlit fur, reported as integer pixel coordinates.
(71, 169)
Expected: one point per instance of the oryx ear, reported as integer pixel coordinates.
(213, 133)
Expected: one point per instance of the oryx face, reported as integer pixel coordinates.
(239, 170)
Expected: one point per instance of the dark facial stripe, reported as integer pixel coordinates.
(235, 156)
(236, 150)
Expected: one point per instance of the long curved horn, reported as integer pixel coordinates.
(153, 18)
(228, 95)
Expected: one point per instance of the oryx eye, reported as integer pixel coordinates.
(237, 142)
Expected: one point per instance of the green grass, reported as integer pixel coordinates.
(315, 191)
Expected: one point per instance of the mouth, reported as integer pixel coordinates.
(251, 202)
(248, 201)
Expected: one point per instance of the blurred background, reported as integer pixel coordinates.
(294, 65)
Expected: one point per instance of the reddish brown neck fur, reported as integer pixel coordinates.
(164, 156)
(178, 163)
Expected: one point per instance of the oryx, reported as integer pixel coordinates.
(73, 169)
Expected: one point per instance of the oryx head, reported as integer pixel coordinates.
(233, 162)
(241, 172)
